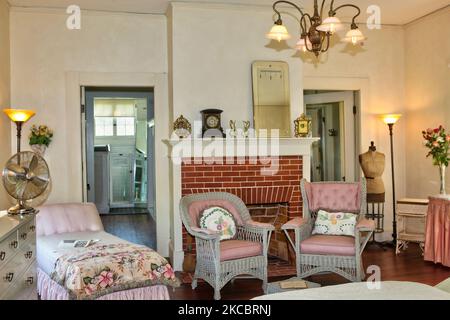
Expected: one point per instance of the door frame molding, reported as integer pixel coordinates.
(73, 118)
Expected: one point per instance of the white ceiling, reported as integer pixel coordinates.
(393, 11)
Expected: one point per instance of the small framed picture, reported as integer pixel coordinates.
(302, 126)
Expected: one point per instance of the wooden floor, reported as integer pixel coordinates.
(409, 266)
(136, 228)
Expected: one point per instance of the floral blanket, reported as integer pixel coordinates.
(103, 269)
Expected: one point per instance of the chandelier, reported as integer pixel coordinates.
(316, 31)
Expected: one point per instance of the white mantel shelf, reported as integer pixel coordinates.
(217, 147)
(246, 147)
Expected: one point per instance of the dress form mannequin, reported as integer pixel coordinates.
(373, 165)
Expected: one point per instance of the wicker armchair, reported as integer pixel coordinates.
(218, 262)
(327, 253)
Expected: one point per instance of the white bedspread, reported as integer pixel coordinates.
(48, 251)
(390, 290)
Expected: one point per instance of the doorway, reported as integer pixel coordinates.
(119, 149)
(334, 121)
(120, 162)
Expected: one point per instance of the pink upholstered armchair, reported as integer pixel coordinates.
(329, 253)
(218, 262)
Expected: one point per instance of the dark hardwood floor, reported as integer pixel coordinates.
(408, 266)
(136, 228)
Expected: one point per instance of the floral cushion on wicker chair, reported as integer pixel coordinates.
(336, 224)
(220, 220)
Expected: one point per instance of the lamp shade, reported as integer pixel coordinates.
(391, 118)
(301, 44)
(331, 25)
(354, 36)
(19, 115)
(278, 32)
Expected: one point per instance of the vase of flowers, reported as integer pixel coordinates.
(40, 138)
(438, 141)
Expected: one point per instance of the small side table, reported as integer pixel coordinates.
(274, 287)
(437, 244)
(411, 219)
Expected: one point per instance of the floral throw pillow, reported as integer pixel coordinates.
(218, 219)
(336, 224)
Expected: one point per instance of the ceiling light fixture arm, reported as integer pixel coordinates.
(328, 42)
(333, 11)
(303, 22)
(279, 21)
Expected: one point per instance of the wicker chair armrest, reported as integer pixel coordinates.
(250, 233)
(260, 225)
(205, 234)
(294, 224)
(365, 225)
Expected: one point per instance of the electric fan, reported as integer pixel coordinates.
(25, 177)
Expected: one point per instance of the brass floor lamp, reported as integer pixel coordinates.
(391, 120)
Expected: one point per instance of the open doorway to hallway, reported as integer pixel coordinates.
(336, 121)
(119, 162)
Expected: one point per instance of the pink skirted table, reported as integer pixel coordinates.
(437, 242)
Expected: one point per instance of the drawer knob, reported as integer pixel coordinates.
(32, 228)
(9, 277)
(2, 256)
(23, 236)
(14, 244)
(30, 280)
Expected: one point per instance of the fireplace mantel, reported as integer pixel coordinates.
(287, 146)
(222, 149)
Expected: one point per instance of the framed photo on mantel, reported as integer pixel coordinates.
(302, 127)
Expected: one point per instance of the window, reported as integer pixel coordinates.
(125, 126)
(114, 126)
(104, 126)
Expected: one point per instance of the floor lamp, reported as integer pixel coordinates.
(390, 120)
(19, 117)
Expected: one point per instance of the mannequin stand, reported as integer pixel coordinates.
(375, 212)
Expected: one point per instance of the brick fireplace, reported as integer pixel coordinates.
(277, 191)
(271, 196)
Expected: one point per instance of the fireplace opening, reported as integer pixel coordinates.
(276, 214)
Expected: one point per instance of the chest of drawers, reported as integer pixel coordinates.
(17, 257)
(411, 222)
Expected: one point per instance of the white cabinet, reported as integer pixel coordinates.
(121, 180)
(17, 257)
(411, 222)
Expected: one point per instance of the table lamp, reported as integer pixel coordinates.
(19, 117)
(390, 120)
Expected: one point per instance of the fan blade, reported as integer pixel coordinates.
(40, 181)
(16, 169)
(34, 163)
(31, 191)
(20, 189)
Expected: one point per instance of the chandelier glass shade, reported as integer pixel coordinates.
(331, 25)
(316, 29)
(354, 37)
(279, 33)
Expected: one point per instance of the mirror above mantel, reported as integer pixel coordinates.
(271, 97)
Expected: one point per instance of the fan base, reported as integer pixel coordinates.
(21, 209)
